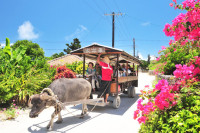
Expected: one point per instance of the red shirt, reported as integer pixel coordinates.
(107, 71)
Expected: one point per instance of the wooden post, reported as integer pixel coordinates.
(117, 74)
(133, 68)
(126, 68)
(84, 66)
(137, 70)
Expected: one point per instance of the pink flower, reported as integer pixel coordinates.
(174, 49)
(170, 42)
(162, 85)
(171, 4)
(163, 47)
(146, 86)
(164, 99)
(13, 100)
(157, 59)
(14, 104)
(136, 114)
(142, 119)
(174, 1)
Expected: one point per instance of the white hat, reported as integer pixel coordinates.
(106, 59)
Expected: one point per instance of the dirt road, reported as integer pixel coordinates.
(101, 120)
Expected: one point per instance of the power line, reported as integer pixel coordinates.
(126, 28)
(116, 5)
(123, 40)
(98, 5)
(91, 7)
(127, 34)
(141, 20)
(107, 5)
(93, 27)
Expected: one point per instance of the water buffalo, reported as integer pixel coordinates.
(60, 91)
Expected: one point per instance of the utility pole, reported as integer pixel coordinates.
(134, 47)
(113, 26)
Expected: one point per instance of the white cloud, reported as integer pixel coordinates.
(3, 44)
(25, 31)
(153, 57)
(141, 57)
(145, 23)
(77, 33)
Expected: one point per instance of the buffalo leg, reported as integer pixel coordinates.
(50, 125)
(84, 110)
(57, 111)
(59, 118)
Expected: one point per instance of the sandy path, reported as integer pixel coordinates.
(101, 120)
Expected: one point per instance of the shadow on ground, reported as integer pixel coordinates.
(126, 103)
(70, 122)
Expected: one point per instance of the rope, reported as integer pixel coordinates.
(59, 105)
(98, 100)
(92, 108)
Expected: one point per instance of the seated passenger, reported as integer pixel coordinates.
(98, 75)
(129, 70)
(124, 70)
(119, 71)
(90, 73)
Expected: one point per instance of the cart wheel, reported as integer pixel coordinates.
(116, 102)
(131, 91)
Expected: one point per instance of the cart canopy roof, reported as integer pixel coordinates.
(94, 49)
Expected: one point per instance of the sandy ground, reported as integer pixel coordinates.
(101, 120)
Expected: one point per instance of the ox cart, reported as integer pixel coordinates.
(125, 84)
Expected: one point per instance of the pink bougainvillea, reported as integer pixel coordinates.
(185, 26)
(144, 109)
(185, 72)
(186, 32)
(164, 100)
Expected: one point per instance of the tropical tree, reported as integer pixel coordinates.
(32, 49)
(20, 75)
(74, 45)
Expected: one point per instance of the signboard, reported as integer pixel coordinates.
(94, 50)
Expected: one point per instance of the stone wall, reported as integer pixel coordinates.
(170, 78)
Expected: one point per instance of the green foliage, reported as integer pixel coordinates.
(77, 67)
(56, 55)
(22, 76)
(32, 49)
(74, 45)
(144, 64)
(184, 117)
(154, 64)
(7, 48)
(177, 54)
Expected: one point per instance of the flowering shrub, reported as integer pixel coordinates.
(172, 107)
(176, 107)
(9, 113)
(185, 30)
(64, 72)
(175, 54)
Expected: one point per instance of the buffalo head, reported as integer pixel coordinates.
(39, 102)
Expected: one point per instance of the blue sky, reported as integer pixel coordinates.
(53, 23)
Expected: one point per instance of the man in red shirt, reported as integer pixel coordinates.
(107, 72)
